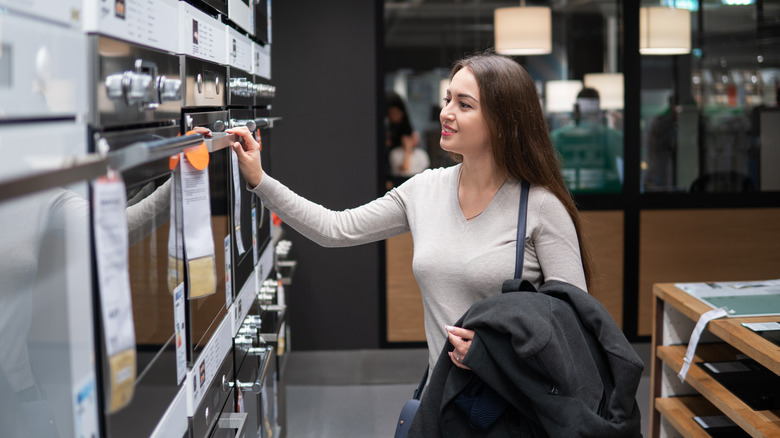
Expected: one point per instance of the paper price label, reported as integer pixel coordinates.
(181, 333)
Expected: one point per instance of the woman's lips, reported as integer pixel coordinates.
(447, 131)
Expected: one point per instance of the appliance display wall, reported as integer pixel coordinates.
(120, 84)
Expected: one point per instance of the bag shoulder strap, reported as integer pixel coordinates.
(419, 390)
(522, 213)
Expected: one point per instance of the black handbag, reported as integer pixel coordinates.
(410, 407)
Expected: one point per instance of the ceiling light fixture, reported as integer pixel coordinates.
(610, 88)
(664, 31)
(523, 30)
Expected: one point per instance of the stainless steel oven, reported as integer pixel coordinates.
(251, 228)
(207, 312)
(256, 386)
(135, 104)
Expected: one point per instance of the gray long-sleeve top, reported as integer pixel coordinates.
(456, 262)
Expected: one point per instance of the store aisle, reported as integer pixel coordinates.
(359, 394)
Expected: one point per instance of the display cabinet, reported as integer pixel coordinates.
(675, 405)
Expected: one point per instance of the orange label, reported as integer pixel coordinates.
(197, 155)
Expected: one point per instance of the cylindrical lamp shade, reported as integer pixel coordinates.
(560, 96)
(610, 88)
(664, 31)
(523, 30)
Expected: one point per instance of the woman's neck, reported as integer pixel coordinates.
(480, 175)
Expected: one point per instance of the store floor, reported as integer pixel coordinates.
(360, 393)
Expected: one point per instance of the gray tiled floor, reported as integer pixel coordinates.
(360, 393)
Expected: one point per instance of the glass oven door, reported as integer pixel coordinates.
(207, 312)
(153, 277)
(48, 383)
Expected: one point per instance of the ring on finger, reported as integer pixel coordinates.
(457, 357)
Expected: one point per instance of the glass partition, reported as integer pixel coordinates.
(709, 117)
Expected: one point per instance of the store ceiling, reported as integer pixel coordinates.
(468, 24)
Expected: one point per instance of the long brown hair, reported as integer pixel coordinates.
(519, 137)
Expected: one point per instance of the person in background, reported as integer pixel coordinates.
(591, 152)
(405, 157)
(463, 218)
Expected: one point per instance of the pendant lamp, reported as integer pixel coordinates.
(664, 31)
(523, 30)
(610, 88)
(560, 96)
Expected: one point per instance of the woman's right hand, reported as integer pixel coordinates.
(248, 155)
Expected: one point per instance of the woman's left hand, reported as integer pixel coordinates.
(460, 338)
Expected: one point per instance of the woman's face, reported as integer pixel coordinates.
(395, 114)
(464, 130)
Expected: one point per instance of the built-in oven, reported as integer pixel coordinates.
(42, 69)
(251, 227)
(256, 385)
(206, 312)
(135, 117)
(48, 382)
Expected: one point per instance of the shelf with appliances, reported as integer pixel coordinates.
(710, 390)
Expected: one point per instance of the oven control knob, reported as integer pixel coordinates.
(250, 124)
(168, 89)
(138, 88)
(218, 126)
(114, 86)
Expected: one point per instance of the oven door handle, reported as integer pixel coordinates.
(72, 170)
(143, 152)
(257, 386)
(221, 140)
(267, 122)
(233, 420)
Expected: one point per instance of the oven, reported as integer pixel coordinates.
(135, 115)
(251, 227)
(48, 382)
(256, 387)
(205, 313)
(42, 69)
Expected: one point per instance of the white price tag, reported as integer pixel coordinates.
(228, 270)
(181, 333)
(111, 247)
(254, 233)
(198, 239)
(237, 203)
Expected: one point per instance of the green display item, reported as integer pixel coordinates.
(747, 305)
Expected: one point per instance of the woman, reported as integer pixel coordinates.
(405, 157)
(463, 218)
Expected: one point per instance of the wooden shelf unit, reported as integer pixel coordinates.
(673, 403)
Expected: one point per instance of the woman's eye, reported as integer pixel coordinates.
(446, 100)
(464, 105)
